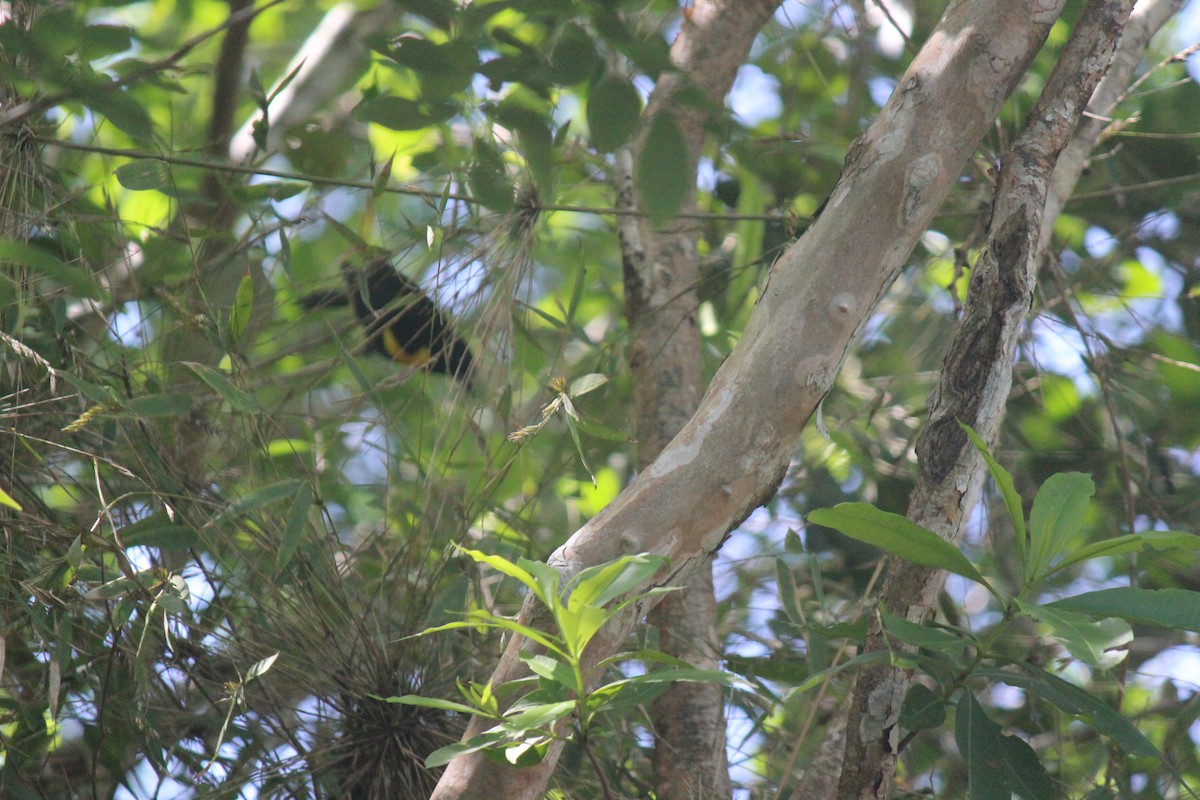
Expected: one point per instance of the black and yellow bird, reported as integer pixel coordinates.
(401, 321)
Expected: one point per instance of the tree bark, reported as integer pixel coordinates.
(975, 382)
(661, 273)
(733, 452)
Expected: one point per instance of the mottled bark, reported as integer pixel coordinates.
(661, 274)
(732, 453)
(975, 382)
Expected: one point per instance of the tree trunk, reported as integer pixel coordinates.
(661, 274)
(975, 382)
(733, 452)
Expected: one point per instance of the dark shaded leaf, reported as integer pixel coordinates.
(664, 175)
(613, 109)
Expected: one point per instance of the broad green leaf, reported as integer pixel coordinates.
(1097, 644)
(596, 586)
(396, 113)
(573, 429)
(547, 577)
(1057, 515)
(144, 174)
(160, 405)
(260, 667)
(264, 496)
(121, 109)
(688, 674)
(488, 178)
(294, 527)
(603, 431)
(896, 535)
(922, 709)
(237, 398)
(1131, 543)
(158, 530)
(482, 619)
(1004, 482)
(587, 383)
(553, 669)
(74, 276)
(816, 678)
(505, 567)
(574, 58)
(117, 587)
(613, 109)
(1178, 609)
(579, 625)
(428, 702)
(1073, 700)
(484, 741)
(777, 667)
(926, 636)
(539, 716)
(787, 592)
(1026, 774)
(104, 40)
(664, 174)
(243, 306)
(979, 743)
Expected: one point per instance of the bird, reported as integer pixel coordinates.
(401, 321)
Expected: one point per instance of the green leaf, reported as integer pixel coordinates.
(158, 530)
(925, 636)
(104, 40)
(1178, 609)
(553, 669)
(506, 567)
(613, 109)
(482, 619)
(444, 755)
(264, 496)
(587, 383)
(922, 709)
(1057, 515)
(979, 742)
(1008, 490)
(861, 660)
(428, 702)
(239, 314)
(896, 535)
(1131, 543)
(73, 276)
(596, 586)
(1097, 644)
(159, 405)
(294, 527)
(787, 592)
(541, 715)
(144, 174)
(488, 178)
(400, 114)
(579, 625)
(1026, 774)
(1073, 700)
(664, 172)
(121, 109)
(237, 398)
(260, 667)
(6, 499)
(574, 58)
